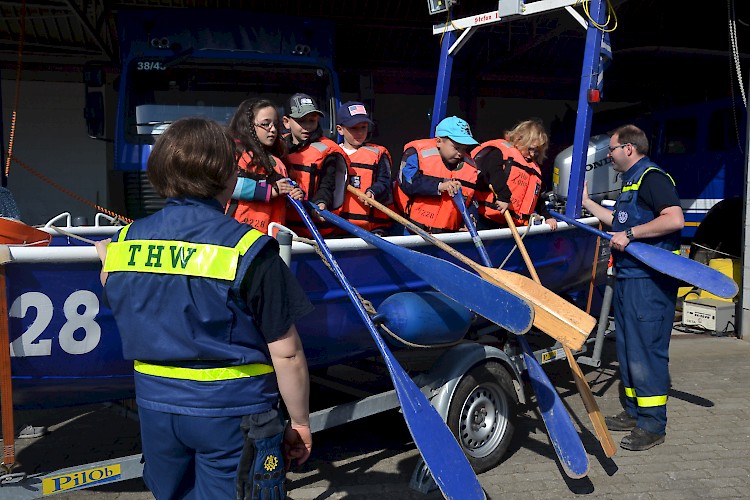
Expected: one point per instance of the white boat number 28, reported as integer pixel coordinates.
(80, 310)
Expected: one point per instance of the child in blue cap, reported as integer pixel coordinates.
(370, 169)
(431, 173)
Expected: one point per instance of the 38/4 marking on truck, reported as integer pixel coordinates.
(79, 334)
(150, 66)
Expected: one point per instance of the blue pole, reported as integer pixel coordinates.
(443, 81)
(589, 75)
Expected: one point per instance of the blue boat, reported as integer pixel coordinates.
(65, 346)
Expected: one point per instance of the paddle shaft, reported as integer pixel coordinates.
(669, 263)
(441, 452)
(458, 199)
(592, 408)
(552, 314)
(565, 440)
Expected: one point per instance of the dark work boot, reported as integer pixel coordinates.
(640, 439)
(620, 422)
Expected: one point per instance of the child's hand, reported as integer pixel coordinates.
(450, 187)
(370, 195)
(282, 187)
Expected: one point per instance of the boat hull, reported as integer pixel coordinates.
(66, 349)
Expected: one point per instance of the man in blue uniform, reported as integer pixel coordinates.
(206, 309)
(648, 210)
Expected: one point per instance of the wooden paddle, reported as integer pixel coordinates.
(562, 433)
(595, 414)
(671, 264)
(441, 452)
(553, 315)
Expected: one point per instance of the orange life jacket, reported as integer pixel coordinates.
(436, 213)
(524, 181)
(305, 169)
(363, 172)
(259, 214)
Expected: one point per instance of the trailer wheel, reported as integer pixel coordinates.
(482, 415)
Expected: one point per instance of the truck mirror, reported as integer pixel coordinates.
(93, 113)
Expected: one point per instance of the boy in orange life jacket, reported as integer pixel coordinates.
(258, 197)
(370, 169)
(510, 177)
(316, 163)
(431, 173)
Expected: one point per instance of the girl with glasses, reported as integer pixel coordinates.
(258, 197)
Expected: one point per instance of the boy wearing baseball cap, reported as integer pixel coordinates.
(431, 173)
(316, 163)
(369, 170)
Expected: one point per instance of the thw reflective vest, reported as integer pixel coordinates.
(305, 168)
(436, 213)
(175, 291)
(524, 181)
(259, 214)
(627, 213)
(363, 172)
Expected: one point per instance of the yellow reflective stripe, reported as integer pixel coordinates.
(203, 374)
(178, 257)
(636, 185)
(172, 257)
(630, 392)
(247, 241)
(648, 402)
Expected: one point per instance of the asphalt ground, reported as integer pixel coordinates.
(706, 453)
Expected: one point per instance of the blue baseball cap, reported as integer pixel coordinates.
(456, 129)
(351, 113)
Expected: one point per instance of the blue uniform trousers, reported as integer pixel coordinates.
(190, 457)
(644, 313)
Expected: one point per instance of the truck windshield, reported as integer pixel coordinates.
(159, 92)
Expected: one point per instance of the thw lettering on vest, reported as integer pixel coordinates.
(153, 256)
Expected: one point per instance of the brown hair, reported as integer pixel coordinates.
(193, 157)
(530, 133)
(630, 134)
(242, 129)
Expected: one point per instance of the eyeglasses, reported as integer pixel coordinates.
(612, 148)
(267, 125)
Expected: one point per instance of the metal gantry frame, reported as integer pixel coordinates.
(589, 76)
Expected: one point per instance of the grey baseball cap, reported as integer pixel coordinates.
(301, 105)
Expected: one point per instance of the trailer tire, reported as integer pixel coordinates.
(482, 414)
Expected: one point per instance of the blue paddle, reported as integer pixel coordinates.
(563, 435)
(441, 452)
(669, 263)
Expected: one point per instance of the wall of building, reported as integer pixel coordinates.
(50, 137)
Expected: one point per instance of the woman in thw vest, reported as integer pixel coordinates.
(432, 171)
(258, 198)
(370, 169)
(510, 177)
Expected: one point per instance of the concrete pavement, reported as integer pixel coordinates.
(706, 453)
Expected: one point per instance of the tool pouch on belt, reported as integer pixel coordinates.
(260, 474)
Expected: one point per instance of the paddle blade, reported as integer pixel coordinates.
(690, 271)
(552, 314)
(567, 442)
(494, 303)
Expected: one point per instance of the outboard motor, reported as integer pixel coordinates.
(603, 182)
